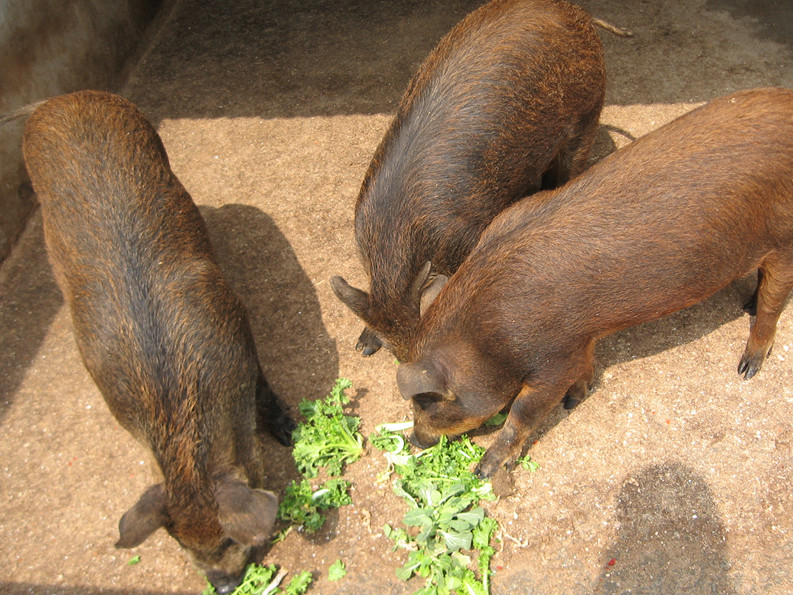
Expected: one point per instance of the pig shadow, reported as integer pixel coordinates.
(29, 301)
(298, 357)
(604, 143)
(671, 538)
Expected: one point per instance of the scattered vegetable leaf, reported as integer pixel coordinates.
(328, 438)
(299, 584)
(444, 518)
(528, 464)
(497, 419)
(337, 571)
(256, 579)
(133, 560)
(302, 505)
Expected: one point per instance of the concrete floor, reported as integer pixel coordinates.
(672, 477)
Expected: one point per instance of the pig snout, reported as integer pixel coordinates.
(224, 583)
(422, 439)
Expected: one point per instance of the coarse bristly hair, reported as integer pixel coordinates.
(506, 104)
(657, 226)
(162, 335)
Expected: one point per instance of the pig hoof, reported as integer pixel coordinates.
(281, 429)
(570, 402)
(487, 467)
(368, 343)
(502, 482)
(748, 367)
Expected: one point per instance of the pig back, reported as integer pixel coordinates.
(156, 325)
(655, 227)
(480, 122)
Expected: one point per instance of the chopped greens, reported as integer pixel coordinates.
(299, 584)
(528, 464)
(328, 438)
(445, 520)
(497, 419)
(260, 579)
(337, 571)
(302, 505)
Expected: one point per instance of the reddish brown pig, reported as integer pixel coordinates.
(164, 338)
(507, 102)
(656, 227)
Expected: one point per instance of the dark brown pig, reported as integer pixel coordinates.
(656, 227)
(507, 102)
(164, 338)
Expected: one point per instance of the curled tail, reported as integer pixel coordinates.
(612, 28)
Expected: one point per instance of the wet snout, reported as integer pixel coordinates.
(422, 439)
(224, 583)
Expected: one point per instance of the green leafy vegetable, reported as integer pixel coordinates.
(445, 519)
(337, 571)
(259, 578)
(386, 437)
(528, 464)
(299, 584)
(302, 505)
(256, 579)
(328, 438)
(133, 560)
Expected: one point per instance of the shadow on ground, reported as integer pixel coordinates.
(297, 355)
(288, 58)
(29, 300)
(671, 538)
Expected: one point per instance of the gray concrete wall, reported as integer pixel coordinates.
(50, 47)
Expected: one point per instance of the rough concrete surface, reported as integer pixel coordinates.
(672, 477)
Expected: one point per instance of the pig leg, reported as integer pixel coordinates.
(750, 307)
(577, 392)
(535, 400)
(573, 157)
(775, 284)
(530, 406)
(273, 413)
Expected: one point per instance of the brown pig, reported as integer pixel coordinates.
(657, 226)
(162, 335)
(508, 102)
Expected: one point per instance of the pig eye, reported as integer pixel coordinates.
(427, 400)
(225, 544)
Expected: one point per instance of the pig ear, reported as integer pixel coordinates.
(431, 292)
(144, 518)
(355, 299)
(419, 378)
(246, 515)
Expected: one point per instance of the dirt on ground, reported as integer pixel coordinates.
(672, 477)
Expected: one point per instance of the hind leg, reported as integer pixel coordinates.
(750, 307)
(774, 285)
(576, 393)
(273, 413)
(572, 158)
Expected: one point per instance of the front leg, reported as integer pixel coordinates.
(529, 408)
(273, 413)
